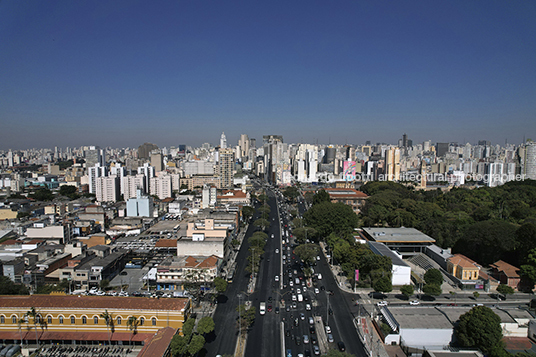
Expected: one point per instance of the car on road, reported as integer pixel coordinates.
(415, 302)
(313, 340)
(272, 235)
(287, 308)
(317, 291)
(293, 297)
(382, 303)
(297, 340)
(291, 283)
(311, 320)
(298, 291)
(330, 337)
(308, 307)
(277, 251)
(269, 308)
(307, 353)
(302, 316)
(277, 310)
(277, 278)
(312, 330)
(305, 339)
(318, 257)
(341, 346)
(289, 353)
(328, 329)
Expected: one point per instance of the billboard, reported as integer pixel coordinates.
(349, 171)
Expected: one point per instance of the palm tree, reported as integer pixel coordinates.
(19, 323)
(108, 318)
(33, 313)
(133, 324)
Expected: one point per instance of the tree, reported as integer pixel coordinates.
(178, 345)
(433, 276)
(528, 271)
(480, 328)
(188, 327)
(133, 324)
(19, 325)
(321, 196)
(307, 253)
(303, 233)
(220, 284)
(407, 290)
(196, 344)
(69, 191)
(262, 223)
(246, 317)
(8, 287)
(247, 212)
(104, 283)
(42, 194)
(291, 192)
(432, 289)
(476, 294)
(36, 316)
(383, 284)
(205, 325)
(327, 218)
(109, 320)
(505, 290)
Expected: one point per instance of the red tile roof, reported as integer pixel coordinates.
(166, 243)
(463, 261)
(158, 344)
(92, 302)
(508, 269)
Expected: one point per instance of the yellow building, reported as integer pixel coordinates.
(68, 318)
(463, 268)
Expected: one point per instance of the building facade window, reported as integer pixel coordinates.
(49, 320)
(153, 321)
(2, 319)
(13, 319)
(95, 320)
(142, 321)
(60, 319)
(84, 320)
(72, 320)
(119, 320)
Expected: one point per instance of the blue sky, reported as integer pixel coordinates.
(120, 73)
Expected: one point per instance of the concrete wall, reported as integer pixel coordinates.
(206, 248)
(429, 338)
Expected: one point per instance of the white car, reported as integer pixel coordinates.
(298, 290)
(317, 291)
(382, 303)
(277, 278)
(415, 302)
(308, 307)
(318, 257)
(291, 283)
(328, 329)
(277, 251)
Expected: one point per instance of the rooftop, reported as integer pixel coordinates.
(397, 235)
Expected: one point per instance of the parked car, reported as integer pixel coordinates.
(415, 302)
(382, 303)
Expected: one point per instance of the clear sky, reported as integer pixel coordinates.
(121, 73)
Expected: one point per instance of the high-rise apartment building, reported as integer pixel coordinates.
(226, 167)
(131, 184)
(148, 171)
(161, 186)
(392, 164)
(157, 160)
(107, 189)
(95, 172)
(223, 141)
(243, 143)
(529, 160)
(95, 156)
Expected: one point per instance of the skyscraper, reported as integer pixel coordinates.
(243, 143)
(392, 164)
(226, 167)
(223, 141)
(530, 161)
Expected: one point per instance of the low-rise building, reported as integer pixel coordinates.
(173, 272)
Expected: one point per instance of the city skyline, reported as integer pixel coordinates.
(124, 73)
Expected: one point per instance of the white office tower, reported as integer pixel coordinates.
(148, 171)
(95, 172)
(530, 161)
(223, 141)
(209, 196)
(161, 186)
(117, 170)
(141, 206)
(131, 184)
(494, 174)
(301, 173)
(107, 189)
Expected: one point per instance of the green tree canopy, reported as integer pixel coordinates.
(69, 191)
(303, 233)
(433, 276)
(307, 252)
(327, 218)
(320, 197)
(337, 353)
(220, 284)
(505, 289)
(247, 212)
(432, 289)
(205, 325)
(196, 344)
(42, 194)
(178, 345)
(407, 290)
(383, 284)
(261, 223)
(188, 327)
(8, 287)
(480, 328)
(291, 192)
(245, 317)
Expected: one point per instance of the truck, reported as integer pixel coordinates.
(262, 308)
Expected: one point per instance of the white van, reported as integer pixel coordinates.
(300, 297)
